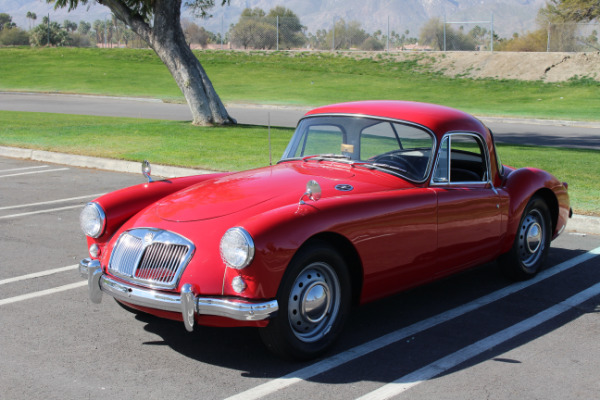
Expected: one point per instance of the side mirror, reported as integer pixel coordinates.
(313, 191)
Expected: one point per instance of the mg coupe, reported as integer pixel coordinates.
(369, 199)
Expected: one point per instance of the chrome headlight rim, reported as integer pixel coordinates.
(92, 212)
(237, 248)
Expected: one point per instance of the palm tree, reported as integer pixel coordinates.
(31, 17)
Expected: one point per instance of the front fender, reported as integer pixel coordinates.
(279, 233)
(120, 205)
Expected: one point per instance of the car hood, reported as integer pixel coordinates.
(271, 187)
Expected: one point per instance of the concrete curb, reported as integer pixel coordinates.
(583, 224)
(163, 171)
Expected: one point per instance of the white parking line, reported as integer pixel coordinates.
(34, 172)
(393, 337)
(46, 292)
(89, 196)
(444, 364)
(39, 212)
(38, 274)
(22, 169)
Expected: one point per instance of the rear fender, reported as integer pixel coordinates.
(524, 183)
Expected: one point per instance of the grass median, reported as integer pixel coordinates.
(293, 78)
(242, 147)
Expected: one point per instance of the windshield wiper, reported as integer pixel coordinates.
(386, 166)
(354, 163)
(321, 157)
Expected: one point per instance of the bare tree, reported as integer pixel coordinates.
(158, 22)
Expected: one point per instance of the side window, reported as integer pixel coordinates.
(441, 171)
(462, 159)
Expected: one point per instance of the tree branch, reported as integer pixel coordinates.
(131, 17)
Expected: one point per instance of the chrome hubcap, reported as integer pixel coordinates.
(314, 302)
(534, 237)
(531, 238)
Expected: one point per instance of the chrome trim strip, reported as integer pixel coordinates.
(450, 183)
(140, 297)
(237, 309)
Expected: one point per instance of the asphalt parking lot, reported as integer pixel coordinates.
(472, 336)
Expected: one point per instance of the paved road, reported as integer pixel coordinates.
(583, 135)
(473, 336)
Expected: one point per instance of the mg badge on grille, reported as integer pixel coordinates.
(148, 237)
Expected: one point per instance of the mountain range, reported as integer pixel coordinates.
(508, 16)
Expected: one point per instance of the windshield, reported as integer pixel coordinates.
(391, 146)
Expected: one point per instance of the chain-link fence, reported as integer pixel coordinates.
(573, 37)
(437, 34)
(468, 36)
(268, 33)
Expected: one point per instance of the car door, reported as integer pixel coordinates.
(468, 213)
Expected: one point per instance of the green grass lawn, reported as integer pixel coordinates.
(162, 142)
(243, 147)
(294, 78)
(300, 78)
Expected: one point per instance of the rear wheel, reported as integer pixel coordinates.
(314, 300)
(531, 244)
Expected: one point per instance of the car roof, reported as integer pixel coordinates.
(439, 119)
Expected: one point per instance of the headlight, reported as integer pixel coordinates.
(237, 248)
(92, 220)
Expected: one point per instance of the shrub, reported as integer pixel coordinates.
(14, 37)
(372, 44)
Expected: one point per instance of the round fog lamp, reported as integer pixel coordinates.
(238, 284)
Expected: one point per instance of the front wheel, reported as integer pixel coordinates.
(531, 245)
(314, 300)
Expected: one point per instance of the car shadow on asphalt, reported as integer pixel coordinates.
(241, 348)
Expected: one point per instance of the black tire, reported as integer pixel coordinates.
(314, 301)
(532, 242)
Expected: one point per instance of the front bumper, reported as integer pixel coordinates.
(188, 304)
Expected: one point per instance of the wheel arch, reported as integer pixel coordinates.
(344, 247)
(552, 202)
(523, 185)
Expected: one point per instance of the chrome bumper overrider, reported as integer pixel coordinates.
(188, 304)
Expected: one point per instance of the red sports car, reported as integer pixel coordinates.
(369, 199)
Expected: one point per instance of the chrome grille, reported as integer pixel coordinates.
(150, 257)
